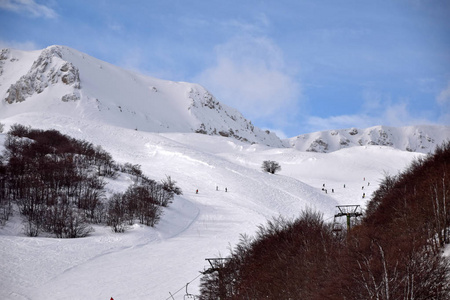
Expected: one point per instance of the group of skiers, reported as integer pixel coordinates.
(217, 188)
(326, 191)
(332, 190)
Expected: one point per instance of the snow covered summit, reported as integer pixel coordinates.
(85, 98)
(59, 85)
(62, 81)
(423, 139)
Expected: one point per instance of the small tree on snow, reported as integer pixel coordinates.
(170, 186)
(271, 166)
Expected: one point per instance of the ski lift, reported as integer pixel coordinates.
(337, 227)
(189, 296)
(348, 211)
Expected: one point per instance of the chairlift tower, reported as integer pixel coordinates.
(349, 211)
(217, 264)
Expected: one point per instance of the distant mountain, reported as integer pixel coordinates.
(422, 138)
(60, 83)
(63, 81)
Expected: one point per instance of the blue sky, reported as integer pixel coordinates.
(289, 66)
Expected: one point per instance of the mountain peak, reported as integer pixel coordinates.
(48, 69)
(422, 138)
(64, 81)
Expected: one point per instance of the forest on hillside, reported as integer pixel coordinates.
(395, 252)
(58, 185)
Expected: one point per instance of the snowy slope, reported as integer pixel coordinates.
(148, 263)
(423, 139)
(88, 99)
(64, 81)
(61, 80)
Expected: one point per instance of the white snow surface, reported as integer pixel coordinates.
(423, 138)
(148, 263)
(153, 263)
(64, 81)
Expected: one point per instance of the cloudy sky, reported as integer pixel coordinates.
(291, 66)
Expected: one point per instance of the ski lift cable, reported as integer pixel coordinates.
(329, 218)
(171, 295)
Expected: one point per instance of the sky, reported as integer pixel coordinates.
(290, 66)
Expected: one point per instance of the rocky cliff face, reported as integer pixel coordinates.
(228, 122)
(48, 69)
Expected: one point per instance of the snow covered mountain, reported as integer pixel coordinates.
(62, 81)
(153, 123)
(421, 139)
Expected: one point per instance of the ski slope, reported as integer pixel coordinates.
(155, 263)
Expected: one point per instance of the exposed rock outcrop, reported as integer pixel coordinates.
(411, 138)
(49, 68)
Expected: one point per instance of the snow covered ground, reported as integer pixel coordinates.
(153, 263)
(103, 105)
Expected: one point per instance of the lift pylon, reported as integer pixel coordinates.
(218, 264)
(348, 211)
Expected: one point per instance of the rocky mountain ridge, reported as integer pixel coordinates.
(44, 80)
(60, 82)
(423, 138)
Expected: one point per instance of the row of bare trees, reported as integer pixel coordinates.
(143, 201)
(58, 184)
(394, 253)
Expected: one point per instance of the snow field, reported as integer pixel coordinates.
(148, 263)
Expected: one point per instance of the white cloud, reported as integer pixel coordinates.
(256, 26)
(377, 109)
(28, 45)
(249, 74)
(115, 26)
(28, 7)
(338, 122)
(383, 109)
(444, 96)
(443, 100)
(398, 114)
(132, 59)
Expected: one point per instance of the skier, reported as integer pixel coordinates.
(332, 190)
(226, 190)
(196, 191)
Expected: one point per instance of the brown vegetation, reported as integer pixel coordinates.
(394, 253)
(58, 182)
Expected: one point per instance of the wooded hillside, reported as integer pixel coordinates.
(58, 185)
(394, 253)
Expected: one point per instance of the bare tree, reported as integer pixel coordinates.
(117, 213)
(169, 185)
(271, 166)
(58, 184)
